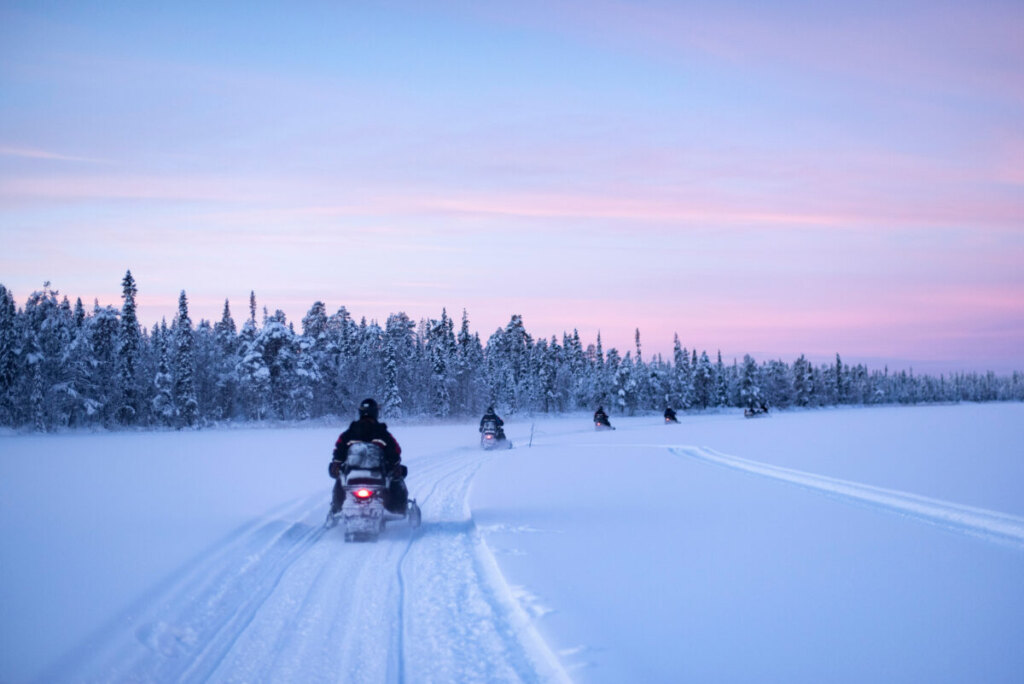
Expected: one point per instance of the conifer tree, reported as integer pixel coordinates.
(163, 381)
(391, 407)
(750, 383)
(185, 402)
(703, 381)
(721, 382)
(103, 330)
(226, 389)
(128, 353)
(8, 356)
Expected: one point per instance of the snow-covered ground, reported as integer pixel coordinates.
(855, 545)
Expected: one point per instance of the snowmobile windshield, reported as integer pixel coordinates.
(365, 456)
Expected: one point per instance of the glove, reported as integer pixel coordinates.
(334, 469)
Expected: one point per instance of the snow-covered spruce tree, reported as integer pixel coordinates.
(600, 382)
(45, 339)
(802, 384)
(205, 378)
(750, 383)
(396, 377)
(316, 360)
(8, 356)
(610, 381)
(575, 376)
(252, 372)
(721, 382)
(468, 396)
(279, 355)
(226, 388)
(306, 395)
(659, 383)
(129, 350)
(626, 389)
(183, 367)
(639, 379)
(777, 384)
(507, 361)
(367, 371)
(703, 381)
(543, 364)
(684, 372)
(391, 406)
(675, 398)
(103, 328)
(343, 354)
(839, 379)
(440, 348)
(163, 382)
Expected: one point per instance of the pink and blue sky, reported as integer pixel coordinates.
(771, 178)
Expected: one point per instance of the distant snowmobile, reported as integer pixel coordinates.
(670, 416)
(755, 411)
(365, 511)
(601, 421)
(492, 437)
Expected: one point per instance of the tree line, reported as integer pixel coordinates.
(64, 367)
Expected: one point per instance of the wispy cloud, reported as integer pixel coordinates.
(33, 153)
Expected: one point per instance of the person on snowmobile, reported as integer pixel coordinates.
(490, 415)
(600, 417)
(670, 415)
(368, 429)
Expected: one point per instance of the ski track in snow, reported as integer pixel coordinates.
(989, 525)
(286, 599)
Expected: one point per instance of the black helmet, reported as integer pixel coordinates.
(368, 409)
(490, 409)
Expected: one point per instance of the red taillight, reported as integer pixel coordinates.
(489, 436)
(363, 493)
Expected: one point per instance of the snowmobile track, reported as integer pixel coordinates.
(991, 526)
(286, 599)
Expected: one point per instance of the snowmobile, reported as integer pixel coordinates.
(366, 484)
(755, 411)
(492, 438)
(601, 424)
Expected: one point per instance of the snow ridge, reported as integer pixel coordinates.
(989, 525)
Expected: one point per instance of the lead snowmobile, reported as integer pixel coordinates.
(366, 482)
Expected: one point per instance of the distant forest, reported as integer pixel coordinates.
(64, 367)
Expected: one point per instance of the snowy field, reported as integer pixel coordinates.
(853, 545)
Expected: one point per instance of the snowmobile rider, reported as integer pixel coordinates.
(367, 429)
(670, 415)
(600, 417)
(490, 415)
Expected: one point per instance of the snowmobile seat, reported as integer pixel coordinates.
(364, 463)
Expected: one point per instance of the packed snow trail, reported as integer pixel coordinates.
(978, 522)
(289, 600)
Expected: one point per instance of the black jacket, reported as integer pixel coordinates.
(368, 430)
(491, 416)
